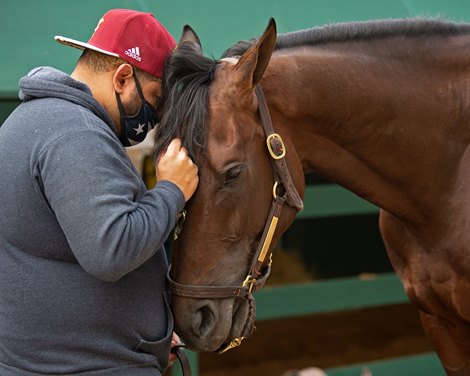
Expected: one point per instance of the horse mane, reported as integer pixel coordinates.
(355, 31)
(188, 74)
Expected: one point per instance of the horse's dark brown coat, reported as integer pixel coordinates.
(386, 117)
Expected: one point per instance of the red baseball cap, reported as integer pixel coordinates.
(135, 37)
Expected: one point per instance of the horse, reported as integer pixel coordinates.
(381, 108)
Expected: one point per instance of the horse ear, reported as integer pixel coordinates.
(255, 60)
(189, 35)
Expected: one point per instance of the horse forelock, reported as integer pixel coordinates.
(188, 75)
(355, 31)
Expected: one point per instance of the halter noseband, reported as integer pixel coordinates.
(261, 265)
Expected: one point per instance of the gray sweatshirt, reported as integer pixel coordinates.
(82, 264)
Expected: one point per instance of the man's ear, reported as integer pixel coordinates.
(122, 77)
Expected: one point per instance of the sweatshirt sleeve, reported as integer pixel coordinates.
(112, 223)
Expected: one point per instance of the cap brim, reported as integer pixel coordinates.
(81, 45)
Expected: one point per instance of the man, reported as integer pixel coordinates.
(82, 264)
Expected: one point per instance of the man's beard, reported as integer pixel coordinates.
(133, 106)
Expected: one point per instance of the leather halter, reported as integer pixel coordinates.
(261, 264)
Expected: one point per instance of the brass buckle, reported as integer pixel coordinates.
(250, 282)
(234, 343)
(271, 151)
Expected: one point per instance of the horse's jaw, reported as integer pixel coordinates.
(207, 325)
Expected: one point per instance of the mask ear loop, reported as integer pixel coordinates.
(142, 98)
(139, 88)
(122, 134)
(139, 91)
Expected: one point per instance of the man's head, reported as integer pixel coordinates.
(135, 37)
(123, 63)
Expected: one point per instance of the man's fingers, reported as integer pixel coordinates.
(174, 146)
(184, 150)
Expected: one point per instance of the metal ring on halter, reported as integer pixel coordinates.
(276, 183)
(249, 282)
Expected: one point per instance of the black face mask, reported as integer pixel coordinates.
(135, 128)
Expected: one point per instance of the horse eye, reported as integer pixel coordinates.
(233, 173)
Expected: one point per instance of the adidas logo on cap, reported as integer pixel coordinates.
(134, 53)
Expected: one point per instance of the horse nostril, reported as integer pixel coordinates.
(204, 321)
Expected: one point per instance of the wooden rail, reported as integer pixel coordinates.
(329, 296)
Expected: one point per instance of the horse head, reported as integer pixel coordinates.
(212, 106)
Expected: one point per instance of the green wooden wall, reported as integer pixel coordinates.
(28, 26)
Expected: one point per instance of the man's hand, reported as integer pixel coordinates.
(175, 166)
(175, 340)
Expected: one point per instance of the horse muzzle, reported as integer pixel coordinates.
(213, 324)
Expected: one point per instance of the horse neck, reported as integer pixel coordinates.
(388, 126)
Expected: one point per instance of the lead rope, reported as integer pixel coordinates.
(178, 350)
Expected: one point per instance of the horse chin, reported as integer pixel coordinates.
(209, 325)
(240, 318)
